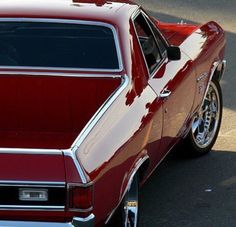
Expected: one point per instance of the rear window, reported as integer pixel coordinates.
(40, 44)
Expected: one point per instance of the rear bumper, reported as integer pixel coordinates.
(76, 222)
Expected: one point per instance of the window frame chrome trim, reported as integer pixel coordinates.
(70, 21)
(133, 17)
(166, 43)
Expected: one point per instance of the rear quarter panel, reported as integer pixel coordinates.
(113, 147)
(123, 134)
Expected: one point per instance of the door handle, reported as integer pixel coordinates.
(165, 94)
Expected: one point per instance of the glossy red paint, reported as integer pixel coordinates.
(48, 111)
(176, 34)
(28, 167)
(165, 123)
(33, 215)
(138, 125)
(114, 12)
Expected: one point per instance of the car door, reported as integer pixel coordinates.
(173, 81)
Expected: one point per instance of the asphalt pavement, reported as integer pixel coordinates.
(199, 192)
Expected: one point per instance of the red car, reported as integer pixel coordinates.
(93, 95)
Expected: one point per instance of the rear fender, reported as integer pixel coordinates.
(220, 70)
(128, 180)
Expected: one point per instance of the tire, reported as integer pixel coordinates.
(205, 125)
(127, 215)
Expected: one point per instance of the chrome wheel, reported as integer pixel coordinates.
(205, 124)
(130, 205)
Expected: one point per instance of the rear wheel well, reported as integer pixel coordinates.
(143, 170)
(219, 71)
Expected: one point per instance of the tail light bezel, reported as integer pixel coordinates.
(79, 186)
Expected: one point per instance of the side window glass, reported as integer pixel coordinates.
(147, 42)
(159, 40)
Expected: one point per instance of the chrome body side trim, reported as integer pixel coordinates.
(72, 154)
(89, 126)
(30, 151)
(76, 222)
(81, 210)
(31, 208)
(33, 184)
(33, 224)
(202, 77)
(68, 21)
(55, 74)
(133, 172)
(84, 222)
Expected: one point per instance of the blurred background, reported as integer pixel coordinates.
(200, 192)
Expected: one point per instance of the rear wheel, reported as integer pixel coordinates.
(130, 205)
(127, 213)
(206, 123)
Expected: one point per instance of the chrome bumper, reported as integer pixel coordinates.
(76, 222)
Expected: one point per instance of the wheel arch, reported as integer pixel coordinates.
(140, 167)
(216, 73)
(219, 71)
(142, 171)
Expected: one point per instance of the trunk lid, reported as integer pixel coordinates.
(32, 170)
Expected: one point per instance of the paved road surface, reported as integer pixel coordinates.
(200, 192)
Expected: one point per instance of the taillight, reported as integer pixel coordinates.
(80, 198)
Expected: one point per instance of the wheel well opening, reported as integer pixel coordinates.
(218, 72)
(143, 170)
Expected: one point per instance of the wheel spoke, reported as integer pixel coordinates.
(200, 138)
(204, 126)
(205, 109)
(213, 106)
(196, 124)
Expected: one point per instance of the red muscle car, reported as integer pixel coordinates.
(93, 95)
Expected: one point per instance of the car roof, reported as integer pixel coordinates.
(90, 10)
